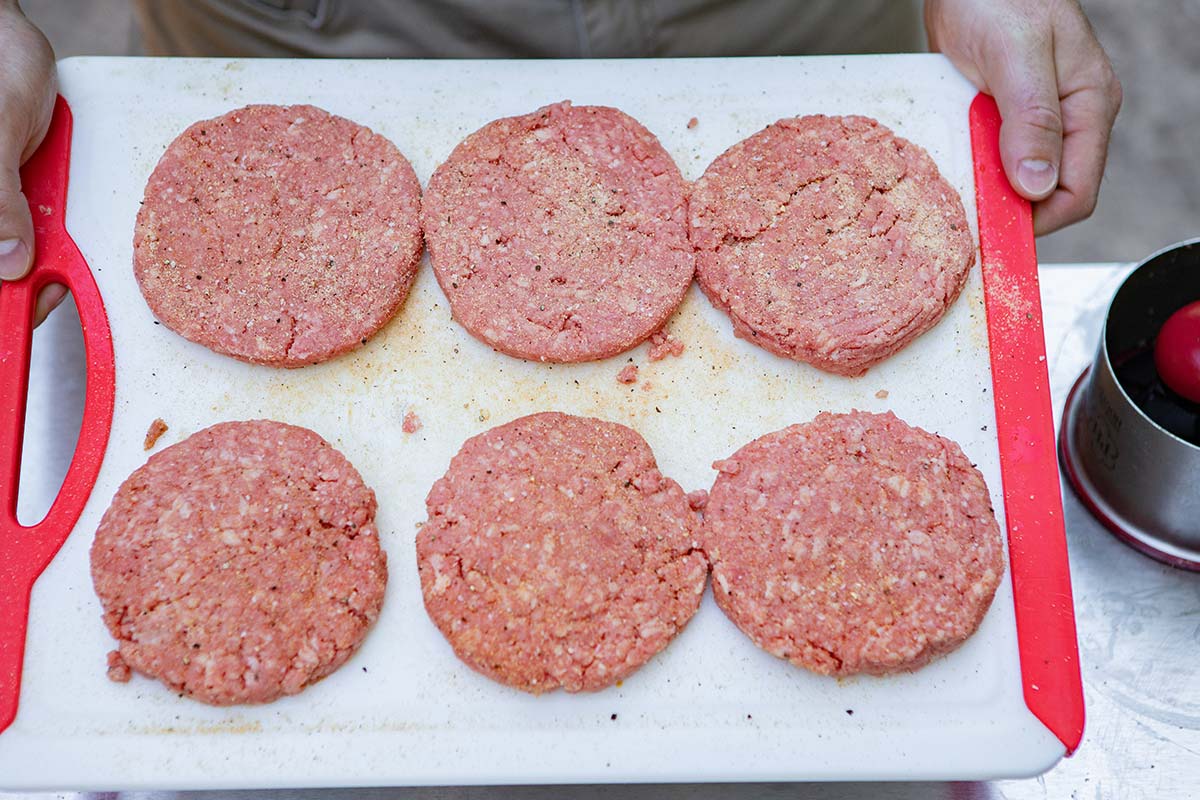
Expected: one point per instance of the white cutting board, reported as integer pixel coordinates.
(404, 710)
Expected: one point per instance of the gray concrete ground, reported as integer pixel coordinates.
(1151, 194)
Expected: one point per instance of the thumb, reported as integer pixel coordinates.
(1023, 81)
(16, 227)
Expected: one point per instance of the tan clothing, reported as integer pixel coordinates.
(527, 28)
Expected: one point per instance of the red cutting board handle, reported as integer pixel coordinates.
(26, 551)
(1037, 542)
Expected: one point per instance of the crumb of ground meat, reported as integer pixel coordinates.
(882, 394)
(697, 499)
(628, 374)
(727, 466)
(157, 429)
(693, 122)
(663, 344)
(412, 423)
(118, 670)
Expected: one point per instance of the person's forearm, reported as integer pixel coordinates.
(1057, 93)
(27, 89)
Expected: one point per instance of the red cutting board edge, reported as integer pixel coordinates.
(1037, 543)
(26, 551)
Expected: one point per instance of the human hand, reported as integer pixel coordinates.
(27, 91)
(1056, 89)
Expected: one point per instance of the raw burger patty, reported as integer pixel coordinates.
(560, 235)
(280, 235)
(853, 543)
(829, 240)
(241, 564)
(556, 554)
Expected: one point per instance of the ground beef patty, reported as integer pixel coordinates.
(853, 544)
(556, 554)
(241, 564)
(829, 240)
(560, 235)
(279, 235)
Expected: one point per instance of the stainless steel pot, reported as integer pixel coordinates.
(1138, 478)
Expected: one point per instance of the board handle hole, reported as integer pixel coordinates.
(53, 409)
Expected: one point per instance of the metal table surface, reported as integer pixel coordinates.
(1139, 621)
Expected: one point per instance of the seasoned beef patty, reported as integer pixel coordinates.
(280, 235)
(560, 235)
(853, 544)
(239, 565)
(829, 240)
(556, 554)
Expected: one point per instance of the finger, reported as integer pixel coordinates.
(16, 227)
(1090, 103)
(1089, 116)
(26, 103)
(48, 299)
(1020, 74)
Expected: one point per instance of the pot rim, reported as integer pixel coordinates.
(1104, 354)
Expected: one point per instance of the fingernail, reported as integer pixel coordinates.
(14, 258)
(1037, 177)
